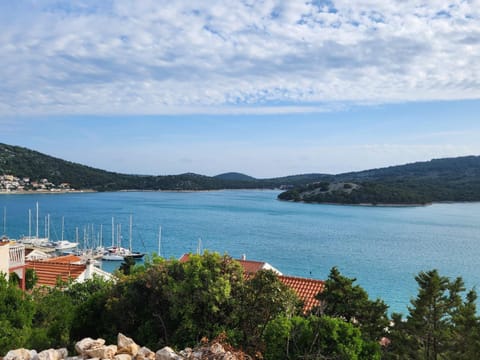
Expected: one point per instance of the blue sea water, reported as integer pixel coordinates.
(383, 247)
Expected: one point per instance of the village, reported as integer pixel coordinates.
(13, 184)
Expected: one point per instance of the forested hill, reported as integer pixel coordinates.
(450, 179)
(22, 162)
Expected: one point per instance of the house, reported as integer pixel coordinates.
(305, 288)
(35, 254)
(65, 268)
(12, 259)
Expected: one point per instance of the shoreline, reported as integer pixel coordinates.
(42, 192)
(90, 191)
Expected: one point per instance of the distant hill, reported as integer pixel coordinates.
(22, 162)
(449, 179)
(234, 176)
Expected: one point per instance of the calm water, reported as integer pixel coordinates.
(382, 247)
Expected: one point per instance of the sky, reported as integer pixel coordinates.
(268, 88)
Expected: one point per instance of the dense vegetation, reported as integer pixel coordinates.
(22, 162)
(168, 302)
(456, 179)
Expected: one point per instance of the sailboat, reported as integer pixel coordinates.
(36, 240)
(114, 253)
(64, 244)
(118, 253)
(131, 253)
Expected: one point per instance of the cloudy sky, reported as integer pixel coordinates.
(267, 88)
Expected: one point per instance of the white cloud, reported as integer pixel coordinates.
(163, 57)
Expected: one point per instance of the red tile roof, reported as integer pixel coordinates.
(306, 289)
(251, 267)
(66, 259)
(48, 271)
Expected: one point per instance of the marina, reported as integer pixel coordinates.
(384, 248)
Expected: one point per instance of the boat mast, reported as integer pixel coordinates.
(101, 236)
(63, 225)
(48, 226)
(130, 234)
(30, 224)
(113, 232)
(37, 221)
(199, 247)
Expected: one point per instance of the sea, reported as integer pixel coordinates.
(382, 247)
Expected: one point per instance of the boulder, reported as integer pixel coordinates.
(88, 343)
(144, 353)
(123, 357)
(52, 354)
(126, 345)
(102, 352)
(19, 354)
(167, 353)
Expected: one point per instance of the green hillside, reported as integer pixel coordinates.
(22, 162)
(450, 179)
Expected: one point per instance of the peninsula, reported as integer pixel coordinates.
(420, 183)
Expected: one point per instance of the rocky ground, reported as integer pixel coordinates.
(127, 349)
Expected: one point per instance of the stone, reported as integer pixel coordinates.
(167, 353)
(126, 345)
(52, 354)
(102, 352)
(145, 353)
(216, 348)
(123, 357)
(88, 343)
(18, 354)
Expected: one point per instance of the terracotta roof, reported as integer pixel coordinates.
(66, 259)
(184, 258)
(306, 289)
(251, 267)
(48, 271)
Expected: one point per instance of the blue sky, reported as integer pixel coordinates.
(267, 88)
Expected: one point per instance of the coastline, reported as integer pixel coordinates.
(42, 192)
(393, 205)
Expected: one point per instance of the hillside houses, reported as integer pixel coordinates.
(11, 183)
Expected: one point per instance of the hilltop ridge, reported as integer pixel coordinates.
(448, 179)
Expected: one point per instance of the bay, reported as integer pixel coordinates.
(383, 247)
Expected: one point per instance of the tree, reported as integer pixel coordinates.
(429, 317)
(341, 298)
(316, 337)
(263, 297)
(16, 314)
(127, 265)
(466, 330)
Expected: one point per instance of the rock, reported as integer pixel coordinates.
(186, 352)
(126, 345)
(144, 353)
(167, 353)
(18, 354)
(102, 352)
(123, 357)
(52, 354)
(216, 348)
(74, 358)
(88, 343)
